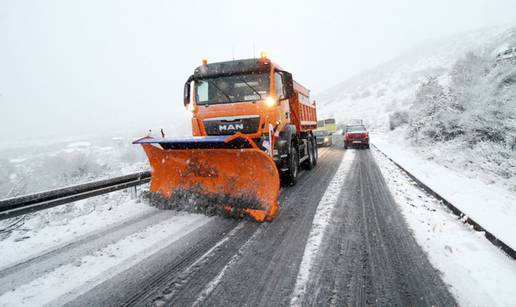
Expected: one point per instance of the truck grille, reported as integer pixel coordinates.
(231, 125)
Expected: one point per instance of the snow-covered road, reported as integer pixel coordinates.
(344, 236)
(76, 275)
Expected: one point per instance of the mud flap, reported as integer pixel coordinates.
(230, 172)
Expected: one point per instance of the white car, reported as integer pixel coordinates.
(323, 137)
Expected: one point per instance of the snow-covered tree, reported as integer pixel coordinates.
(475, 111)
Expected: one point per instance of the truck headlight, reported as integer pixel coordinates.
(326, 139)
(269, 101)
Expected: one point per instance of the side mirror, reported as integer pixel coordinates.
(288, 84)
(186, 91)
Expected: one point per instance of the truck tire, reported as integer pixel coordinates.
(316, 150)
(310, 162)
(289, 177)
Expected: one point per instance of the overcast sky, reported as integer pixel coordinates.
(80, 67)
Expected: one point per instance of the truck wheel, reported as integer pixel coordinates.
(310, 162)
(290, 176)
(345, 145)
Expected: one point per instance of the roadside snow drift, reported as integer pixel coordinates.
(477, 272)
(492, 207)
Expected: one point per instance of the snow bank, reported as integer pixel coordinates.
(490, 206)
(477, 273)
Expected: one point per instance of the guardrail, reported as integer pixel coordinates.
(12, 207)
(491, 237)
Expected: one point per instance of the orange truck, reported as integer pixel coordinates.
(252, 127)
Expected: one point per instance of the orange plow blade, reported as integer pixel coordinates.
(217, 172)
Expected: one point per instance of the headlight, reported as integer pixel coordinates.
(326, 139)
(269, 101)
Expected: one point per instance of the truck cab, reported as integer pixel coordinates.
(239, 96)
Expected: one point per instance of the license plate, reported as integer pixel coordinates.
(357, 142)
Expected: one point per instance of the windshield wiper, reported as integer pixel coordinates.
(218, 88)
(249, 85)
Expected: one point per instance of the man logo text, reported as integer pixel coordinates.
(231, 127)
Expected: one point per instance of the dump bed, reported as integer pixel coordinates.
(304, 114)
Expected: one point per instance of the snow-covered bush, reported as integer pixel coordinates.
(48, 172)
(433, 113)
(69, 167)
(474, 113)
(131, 154)
(478, 105)
(398, 119)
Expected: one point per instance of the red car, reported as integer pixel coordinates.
(356, 136)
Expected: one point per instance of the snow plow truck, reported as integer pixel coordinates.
(252, 130)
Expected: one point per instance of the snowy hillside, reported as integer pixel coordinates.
(450, 92)
(38, 167)
(374, 94)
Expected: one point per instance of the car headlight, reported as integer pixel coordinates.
(326, 139)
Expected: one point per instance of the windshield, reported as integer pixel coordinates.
(321, 133)
(245, 87)
(355, 128)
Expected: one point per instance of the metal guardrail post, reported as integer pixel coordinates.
(134, 192)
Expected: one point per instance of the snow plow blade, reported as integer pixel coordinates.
(228, 172)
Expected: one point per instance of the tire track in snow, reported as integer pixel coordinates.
(69, 281)
(321, 220)
(29, 269)
(215, 282)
